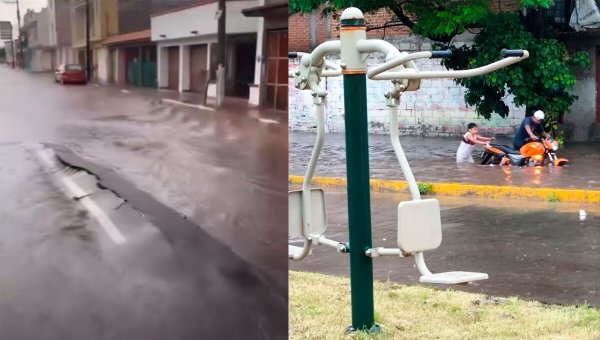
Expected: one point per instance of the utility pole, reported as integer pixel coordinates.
(88, 51)
(222, 55)
(20, 39)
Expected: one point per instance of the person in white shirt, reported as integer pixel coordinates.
(469, 140)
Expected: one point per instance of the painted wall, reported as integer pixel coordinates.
(580, 121)
(178, 25)
(104, 65)
(37, 26)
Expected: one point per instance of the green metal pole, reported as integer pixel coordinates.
(357, 169)
(359, 204)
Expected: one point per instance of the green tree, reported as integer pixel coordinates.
(543, 81)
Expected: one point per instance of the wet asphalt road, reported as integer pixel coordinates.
(535, 250)
(434, 160)
(213, 263)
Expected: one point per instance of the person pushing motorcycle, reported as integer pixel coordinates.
(531, 129)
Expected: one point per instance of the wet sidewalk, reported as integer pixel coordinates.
(235, 105)
(433, 160)
(538, 251)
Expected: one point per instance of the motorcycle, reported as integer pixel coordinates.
(533, 153)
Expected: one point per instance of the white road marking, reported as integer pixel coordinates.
(109, 227)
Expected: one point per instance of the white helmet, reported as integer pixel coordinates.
(539, 114)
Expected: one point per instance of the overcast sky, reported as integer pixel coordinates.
(8, 12)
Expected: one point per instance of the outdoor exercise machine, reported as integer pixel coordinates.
(419, 222)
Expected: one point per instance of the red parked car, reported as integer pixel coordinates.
(70, 73)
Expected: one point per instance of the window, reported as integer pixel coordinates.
(74, 67)
(559, 13)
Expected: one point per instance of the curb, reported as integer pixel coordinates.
(196, 106)
(460, 189)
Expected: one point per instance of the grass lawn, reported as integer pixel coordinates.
(319, 308)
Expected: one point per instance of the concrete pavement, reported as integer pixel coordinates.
(195, 199)
(535, 250)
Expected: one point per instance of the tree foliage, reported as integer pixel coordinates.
(542, 81)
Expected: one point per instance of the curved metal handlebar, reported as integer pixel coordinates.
(511, 53)
(377, 73)
(441, 54)
(332, 69)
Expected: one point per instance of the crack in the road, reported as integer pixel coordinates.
(176, 228)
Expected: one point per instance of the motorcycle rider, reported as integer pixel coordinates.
(531, 128)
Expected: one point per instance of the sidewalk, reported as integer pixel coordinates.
(235, 105)
(433, 160)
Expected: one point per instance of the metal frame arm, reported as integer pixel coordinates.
(305, 250)
(380, 73)
(326, 48)
(395, 138)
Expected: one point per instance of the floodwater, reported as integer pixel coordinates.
(535, 250)
(434, 160)
(200, 193)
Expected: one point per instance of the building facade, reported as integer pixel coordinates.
(133, 56)
(60, 32)
(103, 22)
(186, 41)
(38, 51)
(270, 87)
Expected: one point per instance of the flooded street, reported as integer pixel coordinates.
(198, 195)
(535, 250)
(434, 160)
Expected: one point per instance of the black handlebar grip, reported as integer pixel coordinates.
(441, 54)
(292, 54)
(511, 53)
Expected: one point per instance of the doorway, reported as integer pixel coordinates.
(174, 68)
(277, 70)
(245, 54)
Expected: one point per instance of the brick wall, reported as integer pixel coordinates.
(300, 26)
(300, 29)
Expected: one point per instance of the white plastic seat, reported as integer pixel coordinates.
(318, 223)
(451, 278)
(419, 230)
(419, 225)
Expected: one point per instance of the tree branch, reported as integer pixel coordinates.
(399, 13)
(386, 25)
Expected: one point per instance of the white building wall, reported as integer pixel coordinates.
(580, 121)
(103, 62)
(162, 66)
(254, 98)
(184, 68)
(115, 65)
(180, 24)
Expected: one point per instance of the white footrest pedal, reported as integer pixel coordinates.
(451, 278)
(293, 251)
